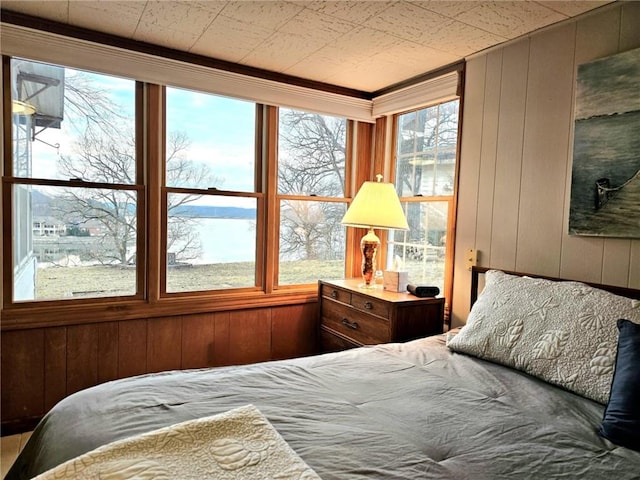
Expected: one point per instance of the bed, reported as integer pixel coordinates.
(429, 408)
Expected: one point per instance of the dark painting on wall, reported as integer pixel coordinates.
(605, 180)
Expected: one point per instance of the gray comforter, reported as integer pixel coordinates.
(397, 411)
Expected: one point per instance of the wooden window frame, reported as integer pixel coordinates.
(14, 313)
(451, 200)
(152, 300)
(350, 145)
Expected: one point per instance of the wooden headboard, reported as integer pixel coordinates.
(477, 271)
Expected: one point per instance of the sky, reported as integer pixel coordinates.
(221, 130)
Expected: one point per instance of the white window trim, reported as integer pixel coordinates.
(48, 47)
(39, 45)
(430, 92)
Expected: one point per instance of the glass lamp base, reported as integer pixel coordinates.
(369, 247)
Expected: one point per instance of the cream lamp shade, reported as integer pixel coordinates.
(376, 205)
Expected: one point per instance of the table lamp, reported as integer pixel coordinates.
(376, 205)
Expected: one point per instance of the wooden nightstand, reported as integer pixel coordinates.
(352, 317)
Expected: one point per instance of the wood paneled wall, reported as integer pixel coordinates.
(41, 366)
(516, 156)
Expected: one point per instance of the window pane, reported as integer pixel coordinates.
(422, 248)
(78, 242)
(211, 242)
(426, 151)
(312, 241)
(72, 124)
(311, 154)
(210, 141)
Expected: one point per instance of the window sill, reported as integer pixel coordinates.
(18, 317)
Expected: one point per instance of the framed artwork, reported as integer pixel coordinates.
(605, 177)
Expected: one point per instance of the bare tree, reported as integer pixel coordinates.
(431, 133)
(311, 162)
(429, 137)
(104, 152)
(305, 232)
(182, 239)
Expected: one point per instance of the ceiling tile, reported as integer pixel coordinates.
(177, 25)
(347, 53)
(117, 18)
(447, 8)
(460, 39)
(353, 11)
(361, 43)
(405, 20)
(510, 19)
(368, 77)
(394, 63)
(189, 17)
(353, 48)
(325, 28)
(412, 59)
(280, 51)
(230, 39)
(212, 6)
(573, 8)
(383, 41)
(270, 15)
(414, 54)
(318, 66)
(57, 11)
(150, 33)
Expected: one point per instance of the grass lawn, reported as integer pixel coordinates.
(98, 281)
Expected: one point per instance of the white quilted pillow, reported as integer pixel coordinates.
(562, 332)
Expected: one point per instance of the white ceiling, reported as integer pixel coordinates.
(365, 45)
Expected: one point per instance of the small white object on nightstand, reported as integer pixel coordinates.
(395, 281)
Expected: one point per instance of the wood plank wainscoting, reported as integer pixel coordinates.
(41, 366)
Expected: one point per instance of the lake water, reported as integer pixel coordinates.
(223, 240)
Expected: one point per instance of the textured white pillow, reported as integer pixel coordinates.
(562, 332)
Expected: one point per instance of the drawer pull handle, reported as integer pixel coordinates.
(347, 323)
(368, 305)
(334, 294)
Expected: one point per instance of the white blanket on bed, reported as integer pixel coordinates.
(238, 444)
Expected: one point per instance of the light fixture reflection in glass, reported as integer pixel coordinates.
(22, 108)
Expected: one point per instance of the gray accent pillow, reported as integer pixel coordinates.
(562, 332)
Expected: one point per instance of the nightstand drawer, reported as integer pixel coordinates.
(336, 294)
(354, 316)
(359, 326)
(334, 343)
(370, 305)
